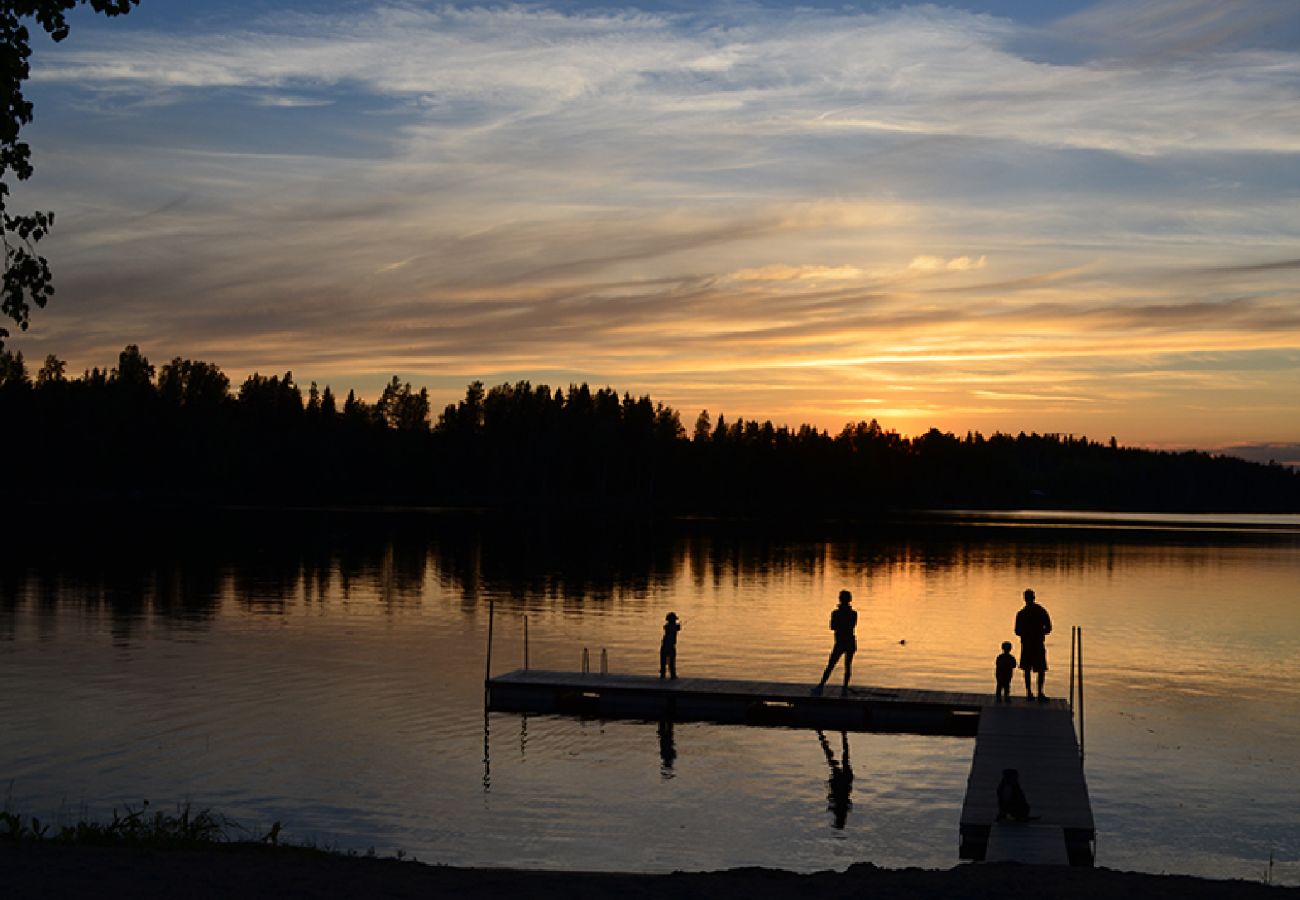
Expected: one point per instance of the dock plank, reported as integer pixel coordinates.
(1028, 843)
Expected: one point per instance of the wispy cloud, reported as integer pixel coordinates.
(910, 71)
(282, 101)
(792, 210)
(1181, 29)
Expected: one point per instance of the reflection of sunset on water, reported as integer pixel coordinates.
(954, 608)
(333, 679)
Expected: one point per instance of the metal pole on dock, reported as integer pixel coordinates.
(586, 662)
(1081, 693)
(1074, 630)
(604, 661)
(487, 675)
(525, 643)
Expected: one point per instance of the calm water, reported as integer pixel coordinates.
(326, 671)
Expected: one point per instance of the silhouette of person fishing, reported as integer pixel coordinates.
(1012, 803)
(843, 620)
(668, 647)
(1033, 625)
(839, 787)
(1003, 668)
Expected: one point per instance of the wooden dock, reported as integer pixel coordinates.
(736, 702)
(1036, 738)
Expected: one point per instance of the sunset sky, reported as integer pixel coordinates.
(1074, 217)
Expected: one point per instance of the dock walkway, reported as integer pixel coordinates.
(1036, 738)
(1038, 741)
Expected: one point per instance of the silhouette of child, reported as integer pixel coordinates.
(1004, 668)
(1012, 803)
(668, 648)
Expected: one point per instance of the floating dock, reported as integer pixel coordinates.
(735, 702)
(1037, 738)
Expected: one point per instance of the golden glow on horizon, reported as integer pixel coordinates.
(774, 221)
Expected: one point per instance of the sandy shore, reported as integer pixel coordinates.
(48, 870)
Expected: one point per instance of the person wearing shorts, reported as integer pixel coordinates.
(1033, 625)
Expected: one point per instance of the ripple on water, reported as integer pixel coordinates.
(354, 715)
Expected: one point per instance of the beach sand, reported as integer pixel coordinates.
(49, 870)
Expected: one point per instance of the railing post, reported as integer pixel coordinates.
(1080, 693)
(525, 643)
(586, 662)
(1074, 630)
(604, 661)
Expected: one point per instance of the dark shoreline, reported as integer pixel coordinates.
(90, 513)
(253, 871)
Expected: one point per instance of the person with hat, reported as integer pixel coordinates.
(668, 647)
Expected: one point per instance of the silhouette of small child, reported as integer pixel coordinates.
(1012, 803)
(1005, 667)
(668, 648)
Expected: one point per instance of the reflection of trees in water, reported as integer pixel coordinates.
(721, 556)
(318, 579)
(929, 548)
(336, 557)
(265, 563)
(575, 561)
(269, 563)
(43, 590)
(582, 562)
(724, 555)
(12, 584)
(125, 584)
(266, 584)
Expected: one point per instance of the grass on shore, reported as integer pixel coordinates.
(141, 828)
(135, 828)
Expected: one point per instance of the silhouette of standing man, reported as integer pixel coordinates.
(843, 620)
(1033, 625)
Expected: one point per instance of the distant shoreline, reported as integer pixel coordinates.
(92, 514)
(256, 871)
(992, 515)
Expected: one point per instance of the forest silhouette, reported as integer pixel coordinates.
(179, 434)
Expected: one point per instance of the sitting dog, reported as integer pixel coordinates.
(1012, 803)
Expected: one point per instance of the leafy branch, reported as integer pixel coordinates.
(27, 278)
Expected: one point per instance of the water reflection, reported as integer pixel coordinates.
(839, 787)
(487, 750)
(268, 563)
(271, 564)
(326, 670)
(667, 748)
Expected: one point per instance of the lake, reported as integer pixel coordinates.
(325, 670)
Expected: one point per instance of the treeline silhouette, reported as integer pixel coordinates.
(181, 433)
